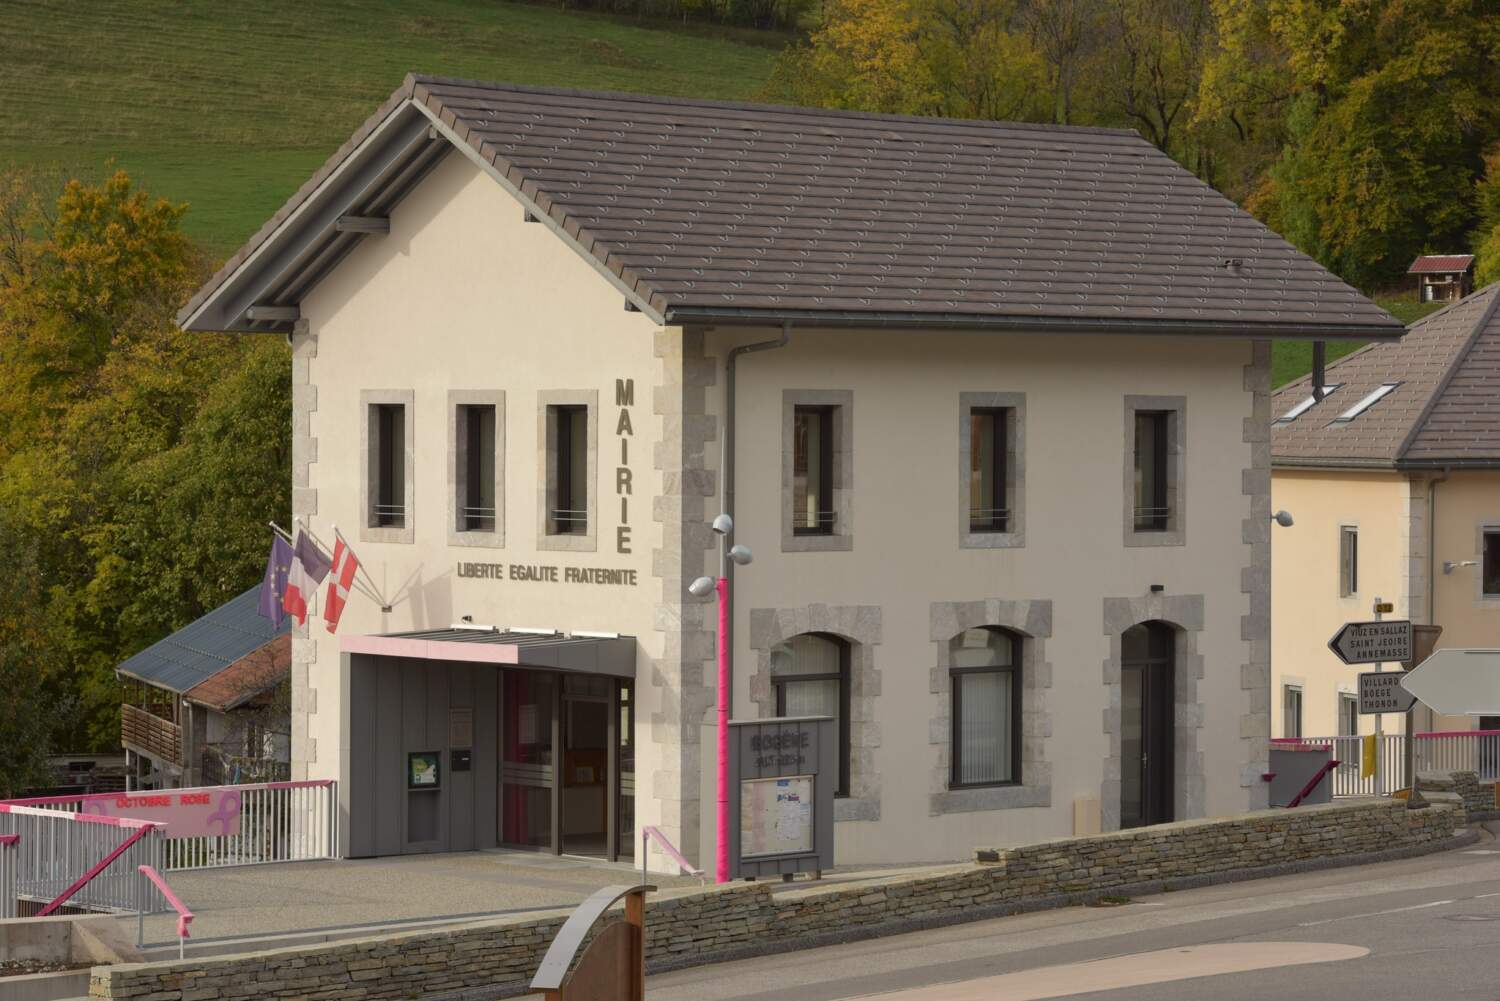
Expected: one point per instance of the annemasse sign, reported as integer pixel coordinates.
(1372, 642)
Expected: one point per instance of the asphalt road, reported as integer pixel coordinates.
(1426, 929)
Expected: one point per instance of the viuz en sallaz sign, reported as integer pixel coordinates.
(1372, 642)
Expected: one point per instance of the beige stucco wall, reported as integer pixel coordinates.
(1306, 606)
(905, 555)
(462, 294)
(1465, 503)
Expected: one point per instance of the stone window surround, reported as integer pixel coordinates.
(1176, 531)
(1015, 488)
(546, 472)
(1184, 612)
(458, 456)
(368, 400)
(1491, 526)
(842, 537)
(1032, 621)
(1354, 596)
(860, 627)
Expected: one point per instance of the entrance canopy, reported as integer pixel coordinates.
(610, 655)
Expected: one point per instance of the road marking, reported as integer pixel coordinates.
(1481, 896)
(1139, 970)
(1373, 914)
(1482, 851)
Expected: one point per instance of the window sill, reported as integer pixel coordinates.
(388, 533)
(476, 539)
(567, 543)
(991, 540)
(793, 543)
(1145, 540)
(980, 799)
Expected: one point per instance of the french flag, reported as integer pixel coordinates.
(309, 567)
(345, 566)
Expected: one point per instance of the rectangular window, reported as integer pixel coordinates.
(1291, 712)
(1348, 561)
(1490, 563)
(476, 473)
(813, 512)
(568, 470)
(389, 503)
(989, 474)
(1348, 715)
(1153, 511)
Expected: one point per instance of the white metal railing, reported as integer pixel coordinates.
(1459, 751)
(263, 822)
(1390, 771)
(8, 849)
(67, 859)
(650, 834)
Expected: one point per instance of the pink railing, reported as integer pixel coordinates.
(1450, 751)
(184, 916)
(650, 834)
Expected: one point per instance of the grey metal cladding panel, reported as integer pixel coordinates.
(362, 694)
(438, 694)
(486, 752)
(389, 757)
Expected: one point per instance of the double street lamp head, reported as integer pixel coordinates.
(1283, 518)
(702, 587)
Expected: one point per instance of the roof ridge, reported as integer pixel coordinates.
(794, 109)
(1493, 289)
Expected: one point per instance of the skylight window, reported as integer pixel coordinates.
(1369, 401)
(1306, 405)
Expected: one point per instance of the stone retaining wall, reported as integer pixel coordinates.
(1478, 797)
(497, 958)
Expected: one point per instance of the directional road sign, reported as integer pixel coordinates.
(1381, 692)
(1458, 682)
(1373, 642)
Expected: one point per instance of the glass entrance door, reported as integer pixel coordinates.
(1147, 697)
(586, 730)
(528, 737)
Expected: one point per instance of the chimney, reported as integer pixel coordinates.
(1318, 381)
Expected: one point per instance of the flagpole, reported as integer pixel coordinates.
(280, 531)
(369, 590)
(385, 606)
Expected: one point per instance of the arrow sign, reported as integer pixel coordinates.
(1372, 642)
(1381, 692)
(1458, 682)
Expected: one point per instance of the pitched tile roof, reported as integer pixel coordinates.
(205, 646)
(1444, 410)
(722, 212)
(1440, 264)
(258, 671)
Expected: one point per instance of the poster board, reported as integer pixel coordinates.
(782, 773)
(776, 816)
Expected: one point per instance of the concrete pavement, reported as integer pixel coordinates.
(1428, 927)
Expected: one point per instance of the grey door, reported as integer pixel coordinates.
(1147, 686)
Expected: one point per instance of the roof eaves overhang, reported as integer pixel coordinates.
(709, 316)
(1324, 462)
(608, 655)
(261, 293)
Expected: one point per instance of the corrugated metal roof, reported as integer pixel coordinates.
(258, 671)
(1440, 263)
(705, 211)
(205, 646)
(1444, 410)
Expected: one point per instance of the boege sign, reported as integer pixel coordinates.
(1381, 692)
(1373, 642)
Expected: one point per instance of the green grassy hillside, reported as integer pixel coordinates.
(1293, 359)
(230, 106)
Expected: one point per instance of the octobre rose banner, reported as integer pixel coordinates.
(193, 813)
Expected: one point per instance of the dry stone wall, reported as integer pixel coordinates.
(497, 958)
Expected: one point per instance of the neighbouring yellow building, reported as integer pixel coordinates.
(1393, 479)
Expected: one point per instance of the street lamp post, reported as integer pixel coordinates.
(702, 588)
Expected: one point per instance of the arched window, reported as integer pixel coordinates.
(810, 674)
(985, 670)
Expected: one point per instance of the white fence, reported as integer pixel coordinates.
(65, 839)
(1441, 752)
(8, 846)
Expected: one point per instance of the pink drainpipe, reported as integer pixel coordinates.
(721, 868)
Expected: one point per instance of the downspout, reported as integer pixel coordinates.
(726, 460)
(1431, 556)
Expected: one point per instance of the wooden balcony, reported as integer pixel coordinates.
(160, 739)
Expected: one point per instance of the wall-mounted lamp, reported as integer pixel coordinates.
(1449, 565)
(1283, 518)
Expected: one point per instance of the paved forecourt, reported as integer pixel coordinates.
(289, 898)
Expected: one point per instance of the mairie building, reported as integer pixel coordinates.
(988, 403)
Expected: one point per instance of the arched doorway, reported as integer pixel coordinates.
(1148, 681)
